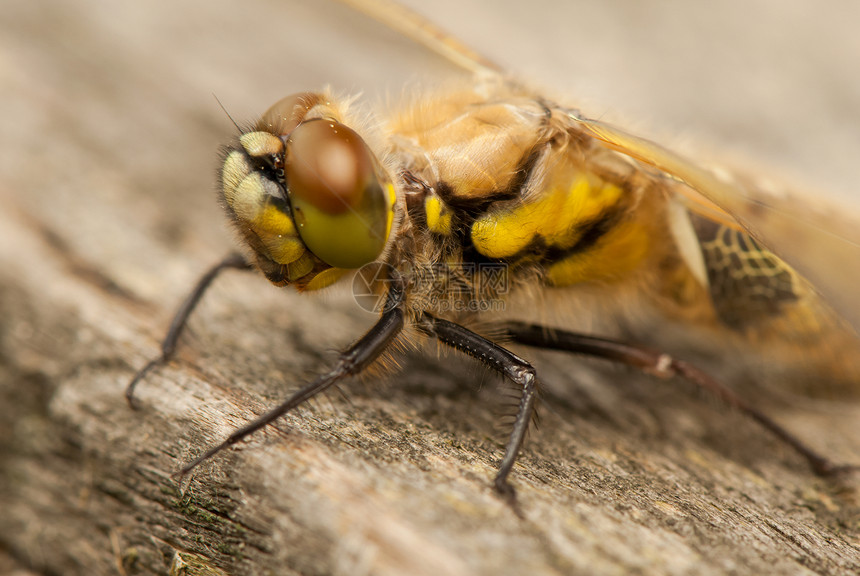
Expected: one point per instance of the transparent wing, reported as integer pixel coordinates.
(420, 30)
(820, 242)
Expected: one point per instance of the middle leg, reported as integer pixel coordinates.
(505, 363)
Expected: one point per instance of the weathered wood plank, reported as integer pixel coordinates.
(107, 217)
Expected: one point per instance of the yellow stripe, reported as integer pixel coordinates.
(438, 216)
(554, 216)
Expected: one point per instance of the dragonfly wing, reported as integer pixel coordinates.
(822, 244)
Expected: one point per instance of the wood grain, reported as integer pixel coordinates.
(107, 215)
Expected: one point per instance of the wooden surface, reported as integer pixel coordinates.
(107, 215)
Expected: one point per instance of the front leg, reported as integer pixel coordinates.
(351, 362)
(180, 319)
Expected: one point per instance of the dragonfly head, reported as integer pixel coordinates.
(307, 193)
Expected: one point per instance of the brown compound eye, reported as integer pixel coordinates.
(287, 113)
(342, 202)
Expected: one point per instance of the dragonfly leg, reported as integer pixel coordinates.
(662, 364)
(355, 359)
(180, 319)
(504, 362)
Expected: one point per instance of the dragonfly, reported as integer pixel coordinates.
(488, 195)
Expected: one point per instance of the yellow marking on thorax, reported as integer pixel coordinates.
(617, 253)
(554, 215)
(438, 215)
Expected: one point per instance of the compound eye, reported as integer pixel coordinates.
(287, 113)
(342, 202)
